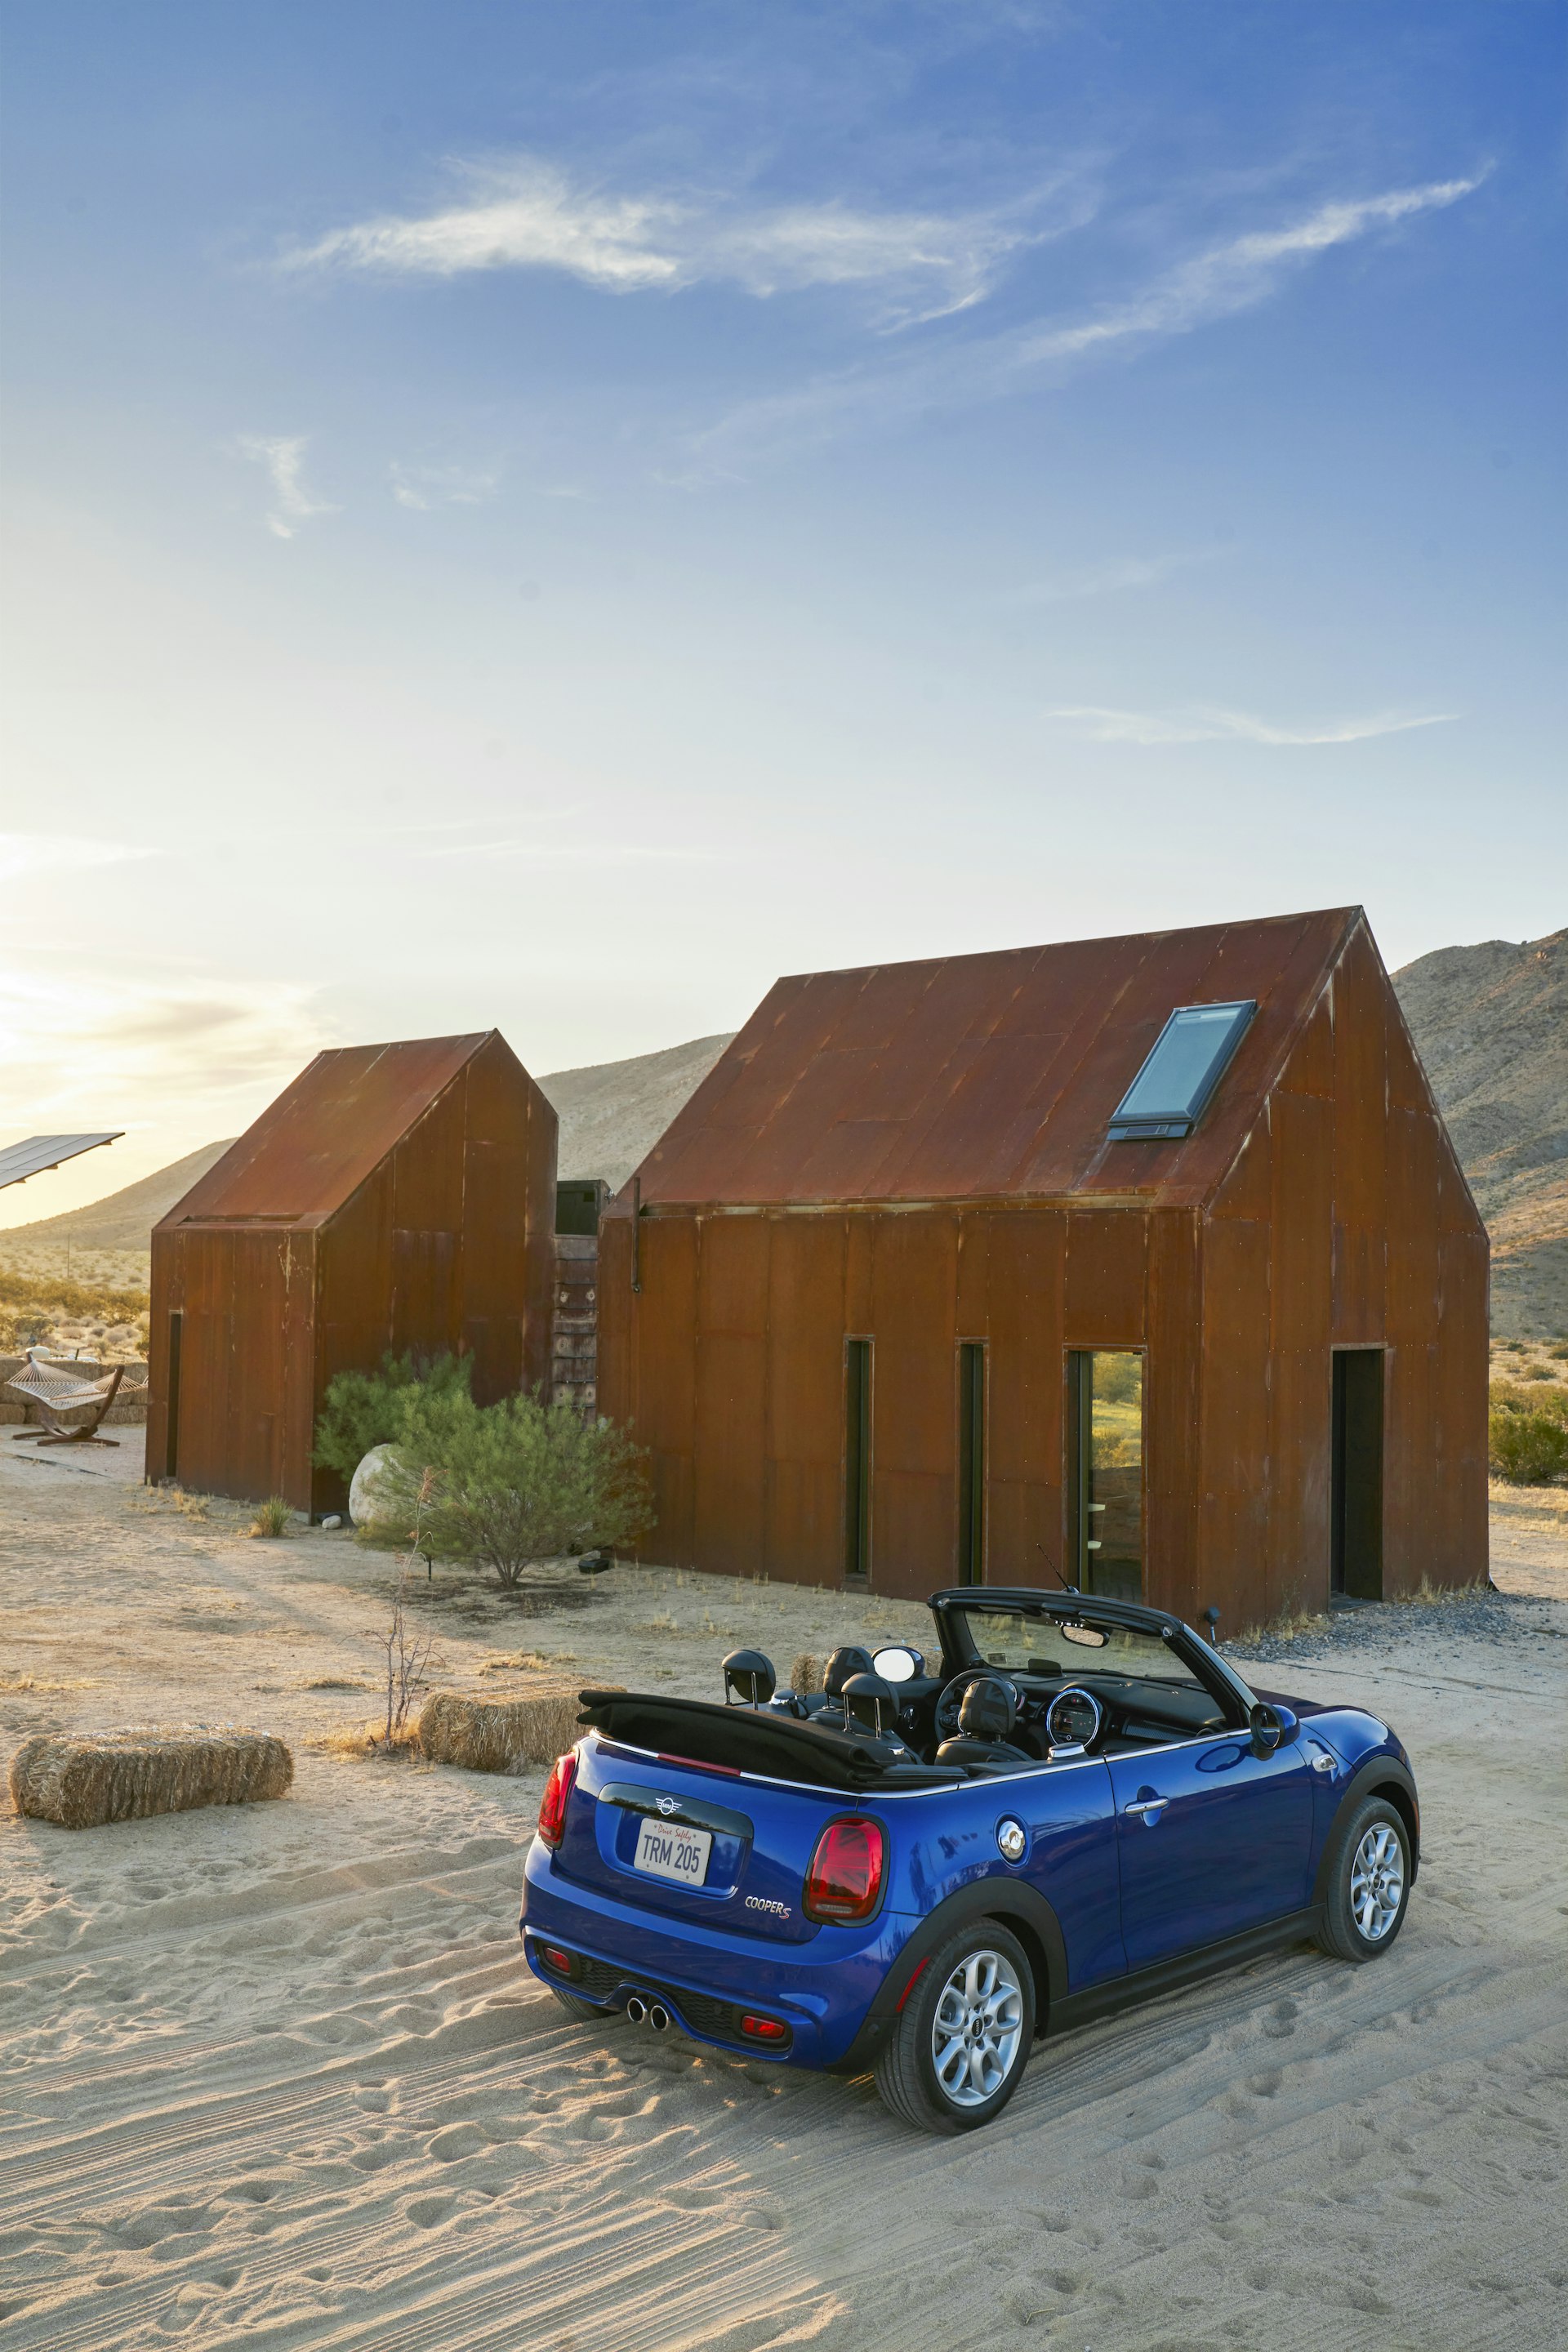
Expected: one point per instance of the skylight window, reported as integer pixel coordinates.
(1190, 1056)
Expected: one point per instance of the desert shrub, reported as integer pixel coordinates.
(1527, 1433)
(510, 1483)
(82, 1302)
(366, 1409)
(272, 1517)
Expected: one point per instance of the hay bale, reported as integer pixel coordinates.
(83, 1781)
(805, 1674)
(507, 1735)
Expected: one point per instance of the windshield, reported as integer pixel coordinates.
(1039, 1645)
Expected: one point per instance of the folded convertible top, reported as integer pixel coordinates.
(747, 1739)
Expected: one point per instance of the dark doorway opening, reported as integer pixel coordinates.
(172, 1429)
(1105, 1470)
(971, 1462)
(1356, 1496)
(857, 1462)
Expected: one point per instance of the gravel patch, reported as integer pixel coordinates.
(1502, 1618)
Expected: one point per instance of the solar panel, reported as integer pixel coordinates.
(20, 1160)
(1171, 1090)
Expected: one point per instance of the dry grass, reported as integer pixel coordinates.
(1427, 1595)
(365, 1740)
(83, 1781)
(36, 1685)
(805, 1674)
(272, 1518)
(510, 1662)
(1288, 1626)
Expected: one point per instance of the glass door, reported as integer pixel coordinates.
(1105, 1470)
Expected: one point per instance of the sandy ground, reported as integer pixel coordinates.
(275, 2076)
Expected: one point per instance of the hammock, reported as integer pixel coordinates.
(54, 1388)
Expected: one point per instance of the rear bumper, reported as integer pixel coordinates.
(821, 1991)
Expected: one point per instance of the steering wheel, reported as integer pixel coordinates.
(952, 1699)
(1073, 1718)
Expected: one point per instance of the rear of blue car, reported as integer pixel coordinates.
(759, 1916)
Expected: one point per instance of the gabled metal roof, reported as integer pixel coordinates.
(984, 1077)
(312, 1148)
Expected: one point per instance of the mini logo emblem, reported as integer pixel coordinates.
(668, 1804)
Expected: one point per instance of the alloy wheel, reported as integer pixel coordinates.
(1377, 1882)
(976, 2029)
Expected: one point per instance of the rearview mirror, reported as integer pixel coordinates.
(898, 1664)
(1271, 1727)
(1089, 1637)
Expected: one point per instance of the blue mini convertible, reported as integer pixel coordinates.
(923, 1868)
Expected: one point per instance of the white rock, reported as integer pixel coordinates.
(361, 1490)
(333, 1519)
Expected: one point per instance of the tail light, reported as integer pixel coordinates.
(557, 1796)
(844, 1885)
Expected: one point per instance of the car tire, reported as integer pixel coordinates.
(969, 2018)
(585, 2011)
(1367, 1881)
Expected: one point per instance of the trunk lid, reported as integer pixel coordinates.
(625, 1819)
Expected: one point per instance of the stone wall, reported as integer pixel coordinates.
(574, 1364)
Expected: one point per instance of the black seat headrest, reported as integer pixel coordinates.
(841, 1666)
(871, 1703)
(750, 1677)
(988, 1709)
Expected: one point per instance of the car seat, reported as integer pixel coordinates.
(986, 1716)
(826, 1705)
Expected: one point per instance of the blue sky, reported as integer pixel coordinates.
(551, 517)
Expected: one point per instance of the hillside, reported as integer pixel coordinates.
(1490, 1024)
(612, 1113)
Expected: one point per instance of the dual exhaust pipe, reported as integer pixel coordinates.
(648, 2013)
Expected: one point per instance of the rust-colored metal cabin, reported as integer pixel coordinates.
(393, 1197)
(890, 1304)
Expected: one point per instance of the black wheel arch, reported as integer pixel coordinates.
(1379, 1775)
(1019, 1905)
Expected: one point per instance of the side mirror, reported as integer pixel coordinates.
(898, 1664)
(1271, 1727)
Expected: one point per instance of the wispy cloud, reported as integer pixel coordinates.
(1217, 283)
(1205, 723)
(424, 487)
(527, 215)
(283, 457)
(1107, 578)
(87, 1045)
(39, 852)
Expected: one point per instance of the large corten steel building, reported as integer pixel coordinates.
(393, 1197)
(1143, 1262)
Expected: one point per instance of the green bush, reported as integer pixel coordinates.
(366, 1409)
(1528, 1448)
(508, 1484)
(1527, 1432)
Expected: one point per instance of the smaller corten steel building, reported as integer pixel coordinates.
(1144, 1262)
(393, 1197)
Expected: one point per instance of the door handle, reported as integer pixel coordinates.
(1148, 1805)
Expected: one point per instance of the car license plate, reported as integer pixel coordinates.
(666, 1850)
